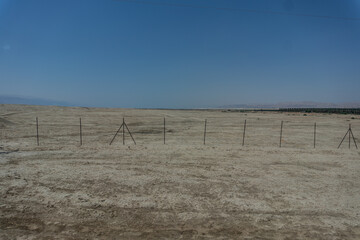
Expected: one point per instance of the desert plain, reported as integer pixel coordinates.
(234, 186)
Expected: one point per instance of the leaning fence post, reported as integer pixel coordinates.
(205, 132)
(314, 134)
(164, 130)
(349, 133)
(122, 125)
(353, 138)
(344, 138)
(243, 142)
(281, 132)
(80, 133)
(129, 133)
(37, 131)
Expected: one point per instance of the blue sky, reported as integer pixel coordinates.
(122, 54)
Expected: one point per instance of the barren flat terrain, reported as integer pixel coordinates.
(182, 189)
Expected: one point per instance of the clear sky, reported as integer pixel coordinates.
(123, 54)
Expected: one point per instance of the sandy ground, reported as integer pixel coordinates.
(183, 189)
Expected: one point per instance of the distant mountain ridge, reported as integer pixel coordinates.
(4, 99)
(295, 105)
(31, 101)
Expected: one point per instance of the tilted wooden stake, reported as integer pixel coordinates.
(129, 133)
(123, 126)
(353, 138)
(349, 131)
(116, 133)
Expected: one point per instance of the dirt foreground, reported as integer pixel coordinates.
(182, 189)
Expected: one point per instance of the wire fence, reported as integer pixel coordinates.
(259, 132)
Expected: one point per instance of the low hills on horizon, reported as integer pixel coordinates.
(305, 104)
(32, 101)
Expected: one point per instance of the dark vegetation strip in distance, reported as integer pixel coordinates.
(305, 110)
(323, 110)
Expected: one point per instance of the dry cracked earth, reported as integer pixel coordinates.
(182, 189)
